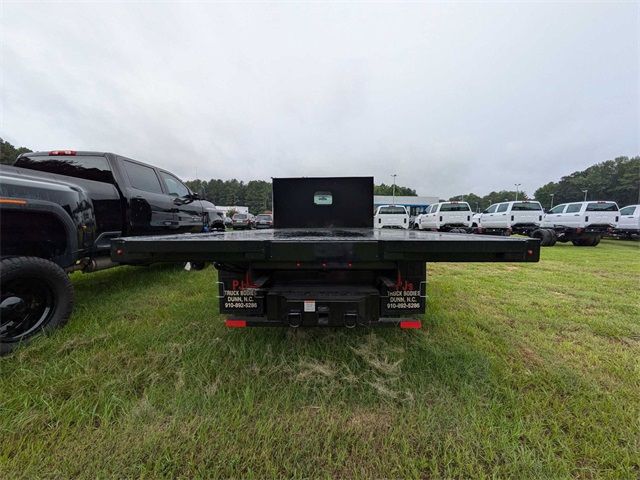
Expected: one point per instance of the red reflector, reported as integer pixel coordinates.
(529, 252)
(411, 324)
(119, 251)
(63, 152)
(236, 323)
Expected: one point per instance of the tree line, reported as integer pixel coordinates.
(256, 194)
(617, 180)
(9, 153)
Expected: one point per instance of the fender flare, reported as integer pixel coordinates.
(42, 206)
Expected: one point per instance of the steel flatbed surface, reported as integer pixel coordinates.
(329, 245)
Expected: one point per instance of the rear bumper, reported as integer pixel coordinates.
(404, 323)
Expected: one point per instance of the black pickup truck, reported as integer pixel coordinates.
(59, 211)
(323, 264)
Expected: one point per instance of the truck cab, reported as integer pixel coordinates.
(128, 197)
(515, 217)
(629, 221)
(596, 216)
(445, 217)
(582, 223)
(391, 216)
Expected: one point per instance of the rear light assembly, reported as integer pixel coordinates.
(235, 323)
(69, 153)
(408, 324)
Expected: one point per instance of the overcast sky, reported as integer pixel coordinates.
(451, 97)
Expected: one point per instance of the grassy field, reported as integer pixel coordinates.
(522, 370)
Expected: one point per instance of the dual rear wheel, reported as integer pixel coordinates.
(547, 237)
(587, 241)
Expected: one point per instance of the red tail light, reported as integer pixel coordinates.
(411, 324)
(70, 153)
(236, 323)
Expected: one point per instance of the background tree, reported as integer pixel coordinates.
(9, 153)
(617, 180)
(384, 189)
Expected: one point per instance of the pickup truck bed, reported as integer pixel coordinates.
(359, 246)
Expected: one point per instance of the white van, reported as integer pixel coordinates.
(629, 221)
(521, 217)
(445, 216)
(391, 216)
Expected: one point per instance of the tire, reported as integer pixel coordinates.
(36, 297)
(217, 227)
(554, 236)
(586, 241)
(543, 235)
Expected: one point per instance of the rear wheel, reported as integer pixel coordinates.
(545, 236)
(587, 241)
(36, 296)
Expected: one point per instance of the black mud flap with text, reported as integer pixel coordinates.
(239, 294)
(406, 294)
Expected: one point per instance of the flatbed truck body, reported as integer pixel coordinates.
(327, 275)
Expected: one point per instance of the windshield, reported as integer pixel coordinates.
(392, 211)
(602, 207)
(520, 206)
(239, 216)
(455, 207)
(264, 217)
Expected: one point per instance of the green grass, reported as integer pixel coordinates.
(522, 370)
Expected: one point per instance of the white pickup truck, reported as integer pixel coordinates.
(445, 217)
(522, 217)
(391, 216)
(629, 221)
(514, 217)
(582, 223)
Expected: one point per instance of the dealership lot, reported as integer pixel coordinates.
(523, 369)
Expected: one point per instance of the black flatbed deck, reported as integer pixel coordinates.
(358, 245)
